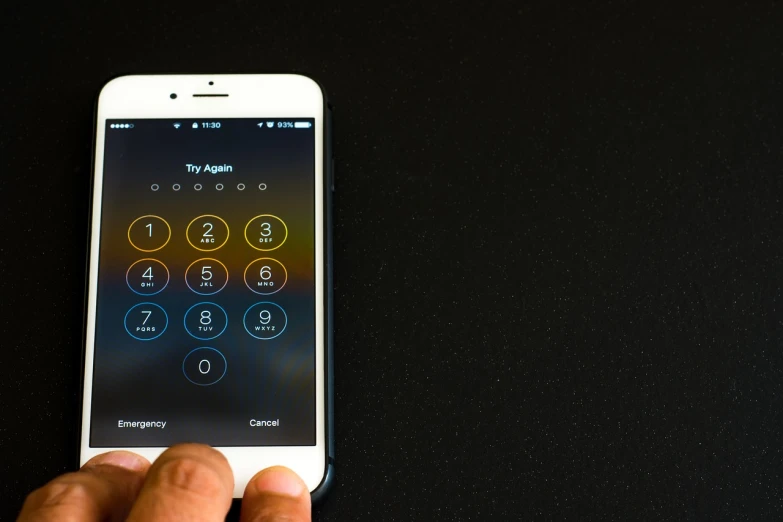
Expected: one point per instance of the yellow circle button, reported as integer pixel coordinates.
(266, 232)
(207, 233)
(149, 233)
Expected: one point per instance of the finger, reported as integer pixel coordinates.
(104, 489)
(189, 482)
(276, 494)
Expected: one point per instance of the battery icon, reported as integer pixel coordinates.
(302, 125)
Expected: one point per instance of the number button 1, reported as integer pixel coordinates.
(149, 233)
(207, 233)
(206, 276)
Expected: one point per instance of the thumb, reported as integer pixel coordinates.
(276, 493)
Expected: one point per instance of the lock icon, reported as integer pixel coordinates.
(195, 125)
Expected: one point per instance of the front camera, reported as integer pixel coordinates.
(173, 96)
(212, 83)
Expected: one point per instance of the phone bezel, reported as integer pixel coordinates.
(249, 96)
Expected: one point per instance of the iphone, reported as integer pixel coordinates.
(208, 308)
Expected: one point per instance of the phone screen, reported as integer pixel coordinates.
(205, 310)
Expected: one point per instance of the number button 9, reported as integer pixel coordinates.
(265, 320)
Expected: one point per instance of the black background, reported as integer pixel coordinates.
(557, 244)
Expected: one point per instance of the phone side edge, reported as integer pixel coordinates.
(320, 492)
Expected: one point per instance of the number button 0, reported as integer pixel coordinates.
(204, 366)
(265, 320)
(147, 276)
(149, 233)
(207, 233)
(266, 232)
(206, 276)
(146, 321)
(265, 276)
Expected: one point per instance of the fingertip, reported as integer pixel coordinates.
(120, 459)
(193, 481)
(276, 493)
(277, 480)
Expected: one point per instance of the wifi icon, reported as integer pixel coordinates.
(177, 125)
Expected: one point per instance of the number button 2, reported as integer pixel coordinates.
(207, 233)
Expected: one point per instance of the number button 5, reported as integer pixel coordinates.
(206, 276)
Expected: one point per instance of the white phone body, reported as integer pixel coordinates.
(267, 97)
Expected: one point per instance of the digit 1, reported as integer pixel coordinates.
(149, 225)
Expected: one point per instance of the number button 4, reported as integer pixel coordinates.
(147, 277)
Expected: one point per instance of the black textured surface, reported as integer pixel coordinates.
(557, 252)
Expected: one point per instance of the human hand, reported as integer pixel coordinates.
(188, 482)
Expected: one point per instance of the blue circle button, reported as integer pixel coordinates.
(206, 321)
(265, 320)
(146, 321)
(204, 366)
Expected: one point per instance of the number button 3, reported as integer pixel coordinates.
(266, 232)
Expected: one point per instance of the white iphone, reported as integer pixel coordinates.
(208, 310)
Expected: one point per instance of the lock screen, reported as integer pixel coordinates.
(205, 310)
